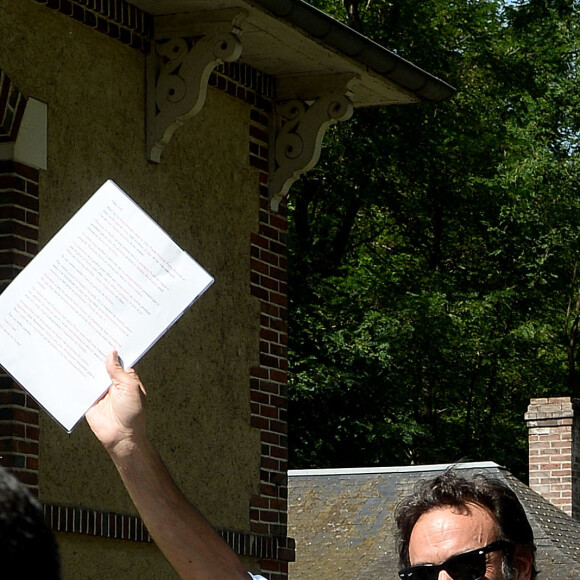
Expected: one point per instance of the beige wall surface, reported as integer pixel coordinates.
(123, 560)
(205, 195)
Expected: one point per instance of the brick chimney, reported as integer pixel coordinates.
(554, 451)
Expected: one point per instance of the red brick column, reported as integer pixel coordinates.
(18, 245)
(553, 451)
(269, 399)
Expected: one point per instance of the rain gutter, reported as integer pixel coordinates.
(352, 44)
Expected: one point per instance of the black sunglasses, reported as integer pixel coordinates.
(466, 566)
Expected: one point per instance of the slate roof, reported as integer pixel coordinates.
(343, 526)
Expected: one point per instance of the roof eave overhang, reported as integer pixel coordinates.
(291, 39)
(321, 70)
(372, 58)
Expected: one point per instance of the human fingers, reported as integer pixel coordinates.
(133, 374)
(113, 365)
(127, 380)
(116, 370)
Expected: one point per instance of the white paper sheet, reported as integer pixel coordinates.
(111, 278)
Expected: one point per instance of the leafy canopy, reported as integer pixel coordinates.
(434, 249)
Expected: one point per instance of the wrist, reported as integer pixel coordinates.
(131, 446)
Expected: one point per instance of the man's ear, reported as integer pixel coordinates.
(523, 562)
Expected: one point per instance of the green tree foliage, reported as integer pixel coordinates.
(434, 251)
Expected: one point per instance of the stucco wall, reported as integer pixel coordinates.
(123, 560)
(205, 195)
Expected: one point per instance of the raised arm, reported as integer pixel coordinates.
(187, 540)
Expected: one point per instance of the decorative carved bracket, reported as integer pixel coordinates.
(299, 131)
(177, 77)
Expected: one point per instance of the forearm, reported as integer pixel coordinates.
(186, 539)
(184, 536)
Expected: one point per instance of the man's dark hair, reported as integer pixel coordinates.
(28, 548)
(453, 490)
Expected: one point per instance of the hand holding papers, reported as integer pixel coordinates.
(111, 278)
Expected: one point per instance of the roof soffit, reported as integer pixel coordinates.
(289, 39)
(321, 70)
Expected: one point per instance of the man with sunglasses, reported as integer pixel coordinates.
(456, 528)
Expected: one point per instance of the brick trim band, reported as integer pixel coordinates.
(116, 526)
(95, 523)
(244, 82)
(132, 26)
(116, 18)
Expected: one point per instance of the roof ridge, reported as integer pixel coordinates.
(392, 469)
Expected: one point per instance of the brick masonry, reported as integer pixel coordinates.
(116, 18)
(553, 434)
(267, 539)
(18, 245)
(94, 523)
(269, 379)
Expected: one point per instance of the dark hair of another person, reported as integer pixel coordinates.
(452, 490)
(28, 548)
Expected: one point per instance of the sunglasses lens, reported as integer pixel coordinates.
(470, 566)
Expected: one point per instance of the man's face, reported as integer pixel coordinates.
(446, 531)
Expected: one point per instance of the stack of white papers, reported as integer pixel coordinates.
(111, 278)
